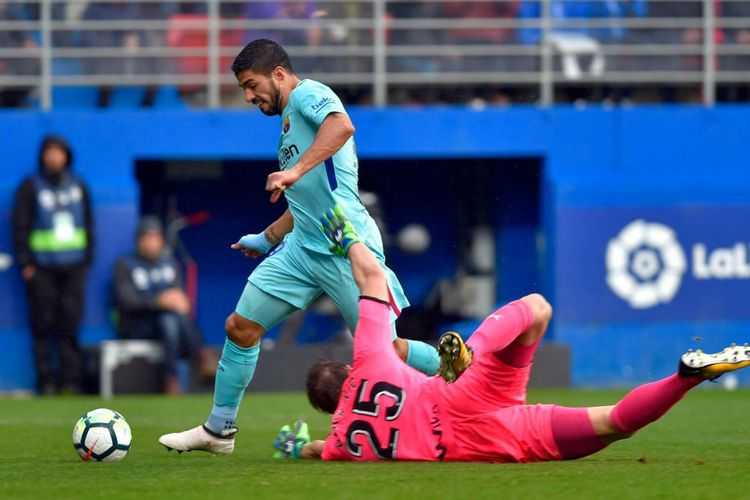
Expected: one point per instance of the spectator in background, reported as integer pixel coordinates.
(15, 39)
(480, 10)
(53, 232)
(130, 41)
(687, 11)
(282, 9)
(151, 303)
(480, 36)
(664, 35)
(739, 37)
(401, 36)
(578, 44)
(582, 10)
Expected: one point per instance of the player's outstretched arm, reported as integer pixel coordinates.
(367, 271)
(256, 245)
(313, 450)
(294, 442)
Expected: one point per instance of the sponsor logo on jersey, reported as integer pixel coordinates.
(323, 102)
(286, 154)
(286, 125)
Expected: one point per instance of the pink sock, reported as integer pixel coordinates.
(648, 402)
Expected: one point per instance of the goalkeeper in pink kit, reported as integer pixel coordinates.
(383, 409)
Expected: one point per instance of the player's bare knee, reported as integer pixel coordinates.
(243, 333)
(540, 308)
(604, 426)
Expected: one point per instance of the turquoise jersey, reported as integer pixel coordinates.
(331, 182)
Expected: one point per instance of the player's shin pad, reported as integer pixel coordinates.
(236, 370)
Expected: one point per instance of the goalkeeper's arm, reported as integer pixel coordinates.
(367, 271)
(313, 450)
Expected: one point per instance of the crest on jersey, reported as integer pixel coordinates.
(286, 125)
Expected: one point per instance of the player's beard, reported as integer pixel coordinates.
(275, 104)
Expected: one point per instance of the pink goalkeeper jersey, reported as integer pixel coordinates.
(384, 411)
(388, 410)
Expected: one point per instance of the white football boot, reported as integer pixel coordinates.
(713, 366)
(200, 438)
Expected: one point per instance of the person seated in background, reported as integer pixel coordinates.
(151, 303)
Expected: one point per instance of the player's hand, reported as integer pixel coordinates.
(290, 440)
(175, 300)
(339, 230)
(28, 272)
(278, 182)
(253, 245)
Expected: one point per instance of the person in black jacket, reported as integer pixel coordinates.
(53, 233)
(151, 303)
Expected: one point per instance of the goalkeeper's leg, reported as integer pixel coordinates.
(511, 335)
(512, 331)
(579, 432)
(582, 431)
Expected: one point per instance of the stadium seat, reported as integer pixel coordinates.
(168, 97)
(75, 97)
(127, 97)
(83, 97)
(130, 366)
(66, 67)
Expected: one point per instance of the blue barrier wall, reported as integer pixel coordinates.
(682, 171)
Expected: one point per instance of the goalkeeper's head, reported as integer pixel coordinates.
(324, 382)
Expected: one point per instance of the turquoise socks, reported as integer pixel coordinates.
(235, 371)
(423, 357)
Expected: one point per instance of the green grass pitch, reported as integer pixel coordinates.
(699, 450)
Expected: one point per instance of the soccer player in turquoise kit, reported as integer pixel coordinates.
(318, 170)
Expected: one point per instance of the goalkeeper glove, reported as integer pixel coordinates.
(339, 230)
(290, 440)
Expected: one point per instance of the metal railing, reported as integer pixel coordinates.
(377, 45)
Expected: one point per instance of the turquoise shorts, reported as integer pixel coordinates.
(292, 277)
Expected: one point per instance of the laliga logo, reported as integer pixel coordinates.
(645, 264)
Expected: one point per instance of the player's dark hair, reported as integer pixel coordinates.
(324, 382)
(262, 56)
